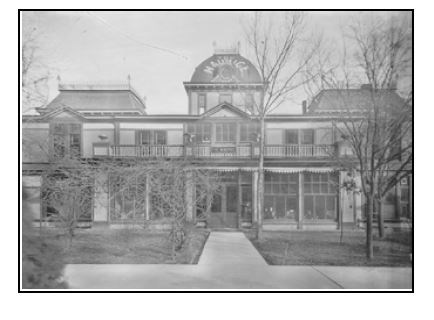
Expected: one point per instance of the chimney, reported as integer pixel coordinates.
(304, 106)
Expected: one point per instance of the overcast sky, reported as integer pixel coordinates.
(158, 49)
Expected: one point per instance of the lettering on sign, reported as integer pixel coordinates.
(226, 68)
(223, 149)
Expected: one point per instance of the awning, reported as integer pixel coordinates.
(227, 169)
(276, 170)
(297, 170)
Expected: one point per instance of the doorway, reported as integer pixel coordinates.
(224, 208)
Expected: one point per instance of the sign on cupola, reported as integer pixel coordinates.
(226, 69)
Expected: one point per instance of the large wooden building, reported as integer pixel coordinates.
(220, 132)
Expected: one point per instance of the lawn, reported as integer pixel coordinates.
(323, 248)
(118, 246)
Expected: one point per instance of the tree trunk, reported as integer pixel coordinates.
(380, 220)
(260, 187)
(369, 213)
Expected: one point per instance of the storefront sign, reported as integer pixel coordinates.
(223, 149)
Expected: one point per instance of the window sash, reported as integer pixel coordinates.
(201, 132)
(248, 132)
(226, 132)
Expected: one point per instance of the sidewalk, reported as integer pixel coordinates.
(229, 261)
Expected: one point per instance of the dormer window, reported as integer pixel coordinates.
(225, 97)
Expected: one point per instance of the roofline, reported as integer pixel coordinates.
(101, 87)
(188, 85)
(180, 117)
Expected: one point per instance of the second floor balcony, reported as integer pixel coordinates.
(221, 151)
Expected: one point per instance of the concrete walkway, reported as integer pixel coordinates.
(230, 261)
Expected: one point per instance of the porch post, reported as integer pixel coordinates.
(410, 197)
(398, 201)
(300, 200)
(189, 197)
(239, 210)
(255, 196)
(147, 215)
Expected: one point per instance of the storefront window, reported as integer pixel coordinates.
(320, 196)
(281, 199)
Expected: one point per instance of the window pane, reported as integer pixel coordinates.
(292, 189)
(291, 136)
(324, 188)
(404, 193)
(160, 137)
(145, 137)
(307, 136)
(331, 209)
(243, 132)
(249, 100)
(269, 207)
(268, 188)
(320, 207)
(291, 208)
(232, 132)
(308, 208)
(276, 188)
(75, 128)
(201, 101)
(280, 207)
(75, 144)
(315, 188)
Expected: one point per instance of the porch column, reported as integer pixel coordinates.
(239, 209)
(147, 204)
(410, 197)
(189, 196)
(300, 200)
(255, 196)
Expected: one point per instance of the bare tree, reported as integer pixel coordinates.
(375, 123)
(68, 191)
(281, 54)
(173, 187)
(34, 73)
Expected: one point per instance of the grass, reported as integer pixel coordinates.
(123, 246)
(323, 248)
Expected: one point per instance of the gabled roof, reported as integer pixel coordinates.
(232, 111)
(86, 98)
(61, 109)
(340, 100)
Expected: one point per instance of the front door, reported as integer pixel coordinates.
(224, 208)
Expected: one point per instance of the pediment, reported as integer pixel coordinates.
(225, 111)
(63, 114)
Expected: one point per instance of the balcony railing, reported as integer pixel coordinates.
(242, 150)
(299, 151)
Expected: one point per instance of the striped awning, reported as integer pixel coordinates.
(301, 169)
(276, 170)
